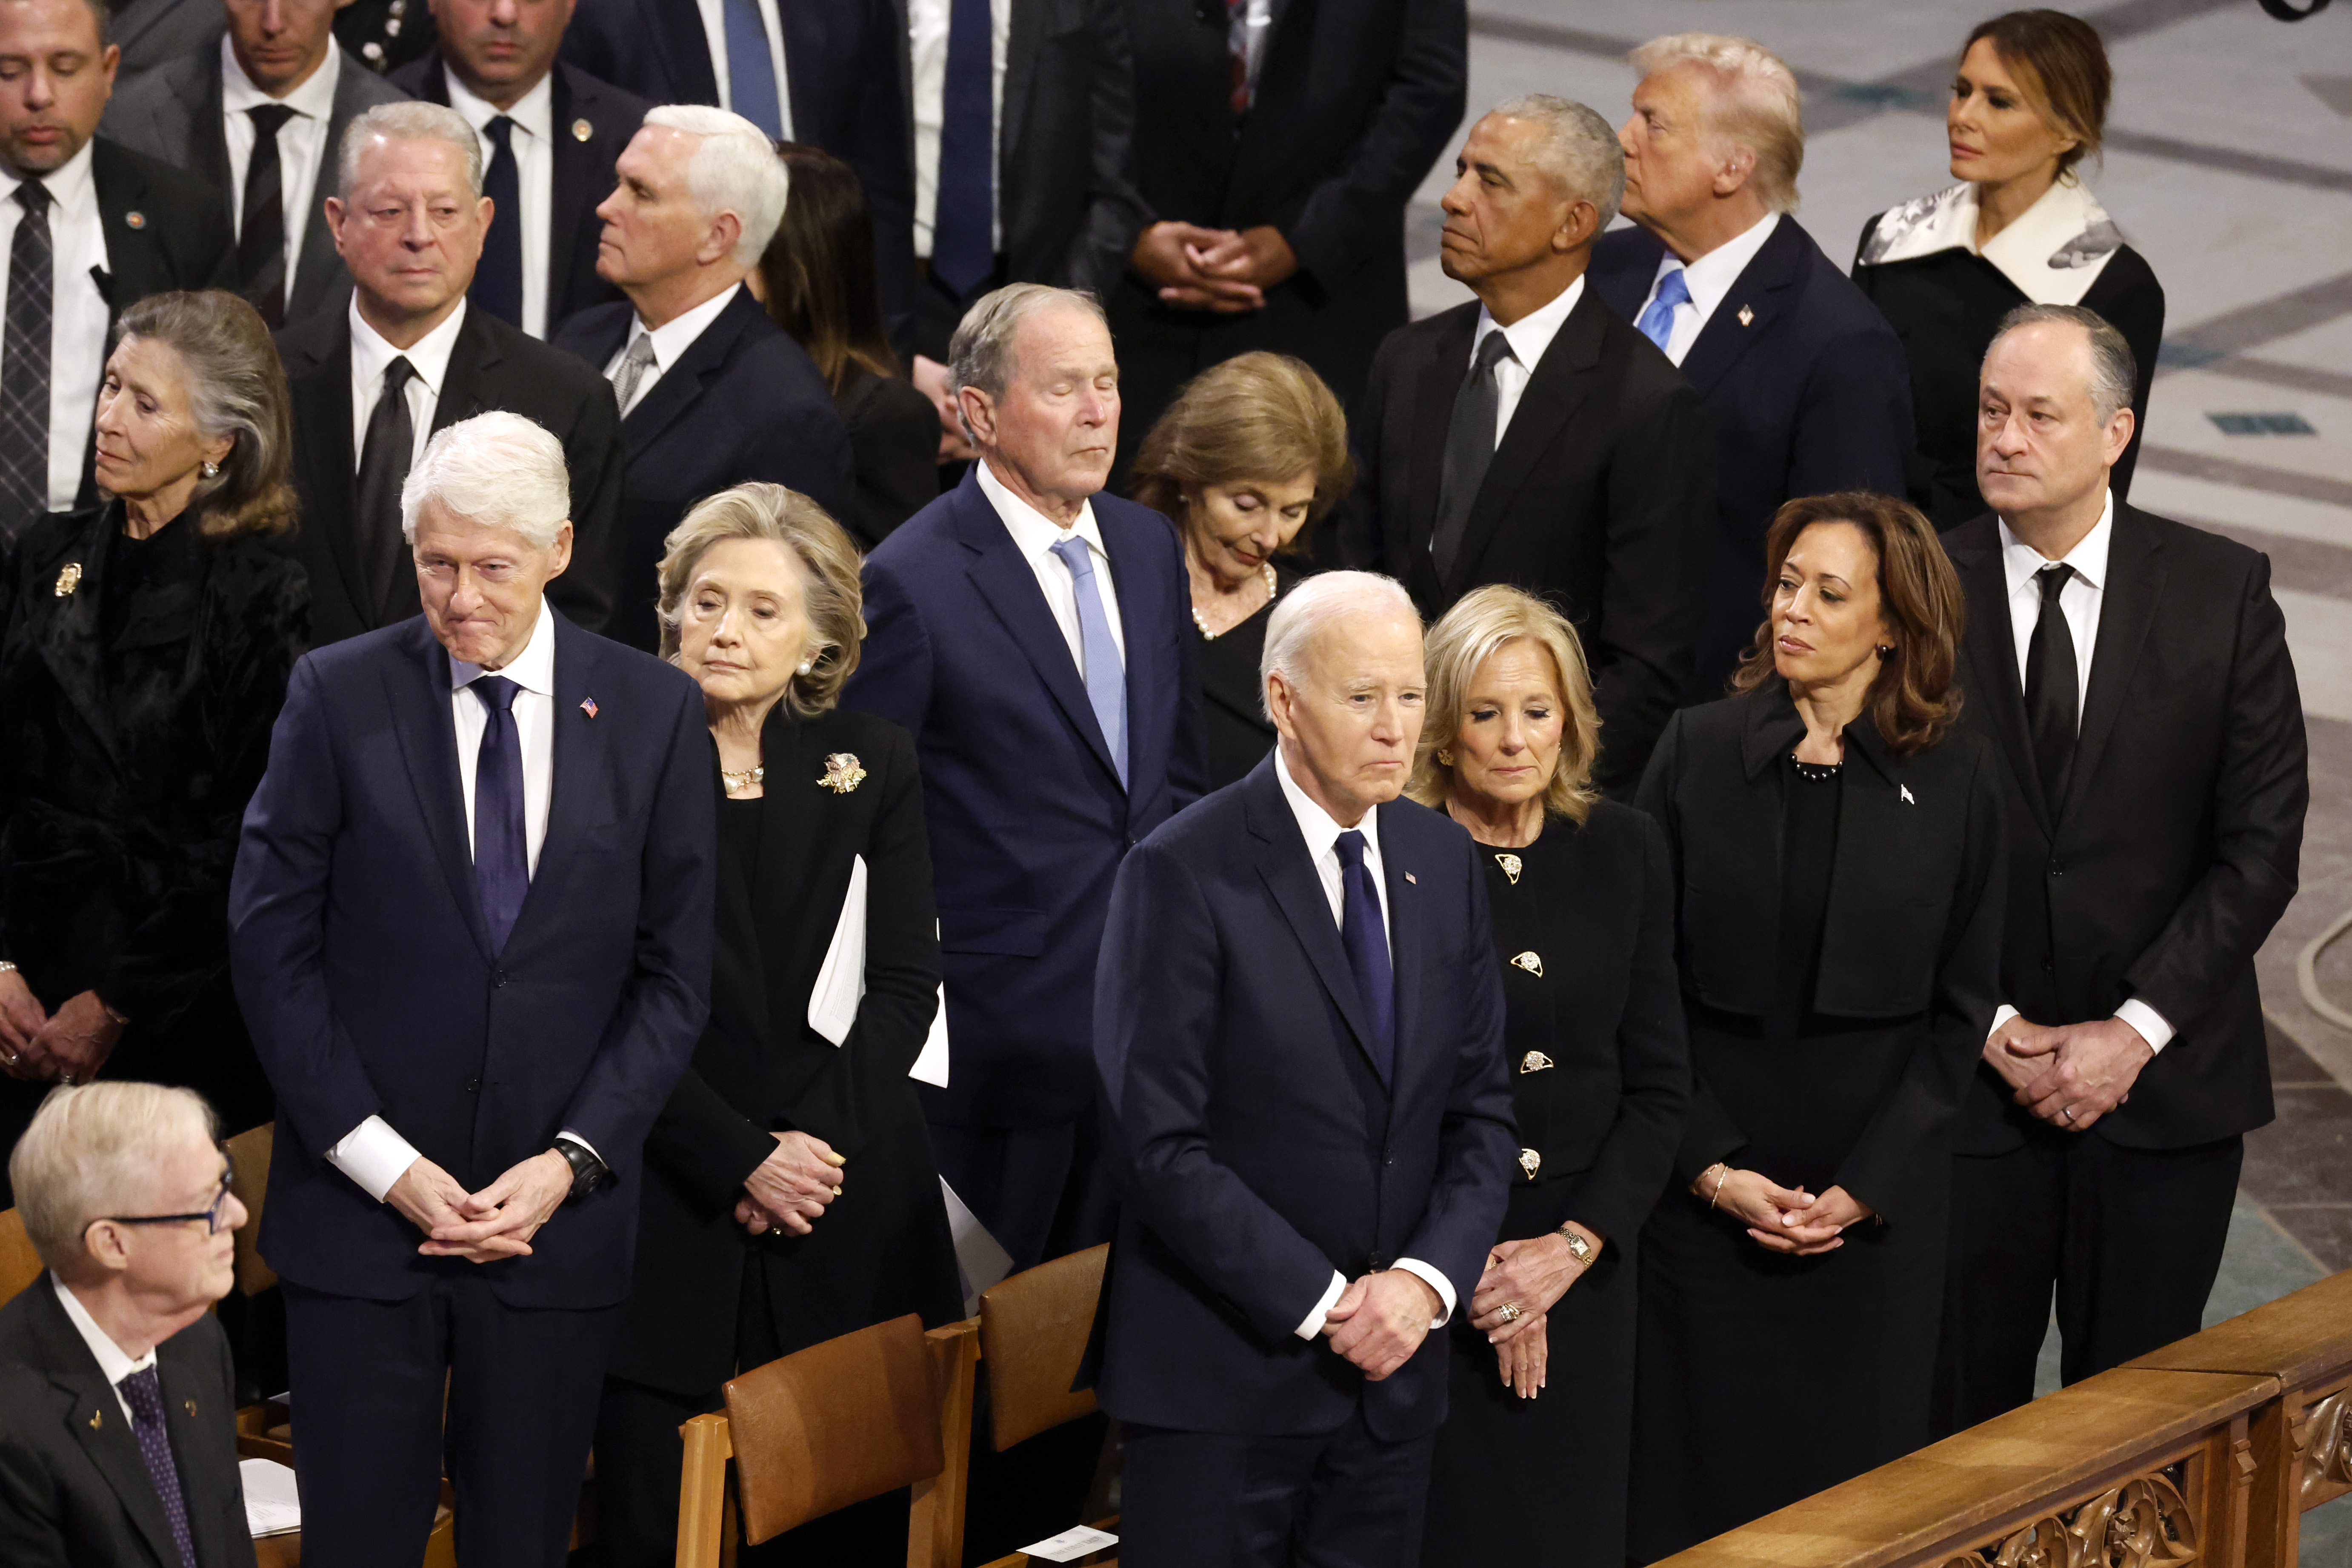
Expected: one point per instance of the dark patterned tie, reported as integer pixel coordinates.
(501, 857)
(383, 467)
(1469, 450)
(143, 1392)
(261, 228)
(498, 280)
(1365, 936)
(24, 366)
(2051, 684)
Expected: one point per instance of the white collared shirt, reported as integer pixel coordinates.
(533, 141)
(671, 339)
(112, 1364)
(1036, 534)
(1529, 336)
(926, 45)
(1709, 279)
(78, 313)
(714, 34)
(428, 357)
(301, 142)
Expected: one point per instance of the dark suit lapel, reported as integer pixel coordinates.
(1024, 37)
(417, 690)
(576, 759)
(1434, 387)
(2127, 612)
(572, 193)
(675, 32)
(473, 359)
(679, 389)
(318, 268)
(1291, 878)
(1558, 388)
(324, 392)
(1990, 647)
(94, 1420)
(1140, 607)
(189, 1393)
(808, 55)
(791, 833)
(69, 644)
(1759, 292)
(202, 96)
(1409, 936)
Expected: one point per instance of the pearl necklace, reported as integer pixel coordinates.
(744, 779)
(1201, 621)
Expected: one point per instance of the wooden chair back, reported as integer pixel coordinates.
(19, 1264)
(1034, 1329)
(249, 1152)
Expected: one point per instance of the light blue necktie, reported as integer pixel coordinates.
(1106, 677)
(1657, 322)
(751, 71)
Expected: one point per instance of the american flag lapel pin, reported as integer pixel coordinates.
(588, 706)
(1413, 880)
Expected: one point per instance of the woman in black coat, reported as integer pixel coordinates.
(789, 1193)
(145, 653)
(1583, 923)
(1837, 854)
(2029, 102)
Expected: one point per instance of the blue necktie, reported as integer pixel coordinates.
(963, 251)
(502, 858)
(497, 279)
(1657, 322)
(143, 1392)
(1105, 676)
(1366, 939)
(750, 72)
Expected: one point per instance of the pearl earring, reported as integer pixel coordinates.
(807, 665)
(211, 470)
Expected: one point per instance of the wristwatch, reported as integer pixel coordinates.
(1578, 1248)
(588, 1171)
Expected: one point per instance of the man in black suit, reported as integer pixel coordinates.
(88, 227)
(1807, 384)
(408, 357)
(118, 1411)
(547, 165)
(712, 393)
(1535, 439)
(258, 121)
(2134, 675)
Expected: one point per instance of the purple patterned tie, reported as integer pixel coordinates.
(143, 1392)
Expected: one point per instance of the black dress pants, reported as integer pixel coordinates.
(2129, 1241)
(1214, 1500)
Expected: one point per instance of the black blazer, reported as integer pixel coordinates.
(2174, 849)
(583, 176)
(743, 403)
(1946, 308)
(1913, 933)
(1809, 395)
(73, 1486)
(1600, 498)
(493, 365)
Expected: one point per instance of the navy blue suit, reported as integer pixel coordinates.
(1259, 1146)
(1809, 393)
(1028, 825)
(366, 974)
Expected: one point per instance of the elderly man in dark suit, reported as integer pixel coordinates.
(471, 930)
(1807, 384)
(118, 1415)
(1298, 1037)
(1534, 438)
(2134, 675)
(259, 118)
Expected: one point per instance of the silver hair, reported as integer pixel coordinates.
(1312, 608)
(980, 353)
(498, 470)
(1580, 148)
(1755, 102)
(735, 169)
(2114, 373)
(408, 121)
(90, 1152)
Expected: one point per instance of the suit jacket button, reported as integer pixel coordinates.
(473, 1085)
(499, 978)
(2056, 869)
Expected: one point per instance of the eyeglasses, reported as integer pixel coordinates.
(211, 1216)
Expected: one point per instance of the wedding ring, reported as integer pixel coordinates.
(1511, 1313)
(2067, 1111)
(66, 1079)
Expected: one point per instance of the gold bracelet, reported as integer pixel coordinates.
(1723, 1175)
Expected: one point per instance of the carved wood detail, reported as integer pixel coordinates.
(2327, 1448)
(2143, 1523)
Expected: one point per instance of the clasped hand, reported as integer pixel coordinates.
(1380, 1320)
(40, 1047)
(1219, 269)
(2069, 1075)
(791, 1186)
(481, 1227)
(1789, 1219)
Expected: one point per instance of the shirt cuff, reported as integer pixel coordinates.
(2000, 1014)
(373, 1156)
(2148, 1021)
(1436, 1281)
(1312, 1324)
(574, 1137)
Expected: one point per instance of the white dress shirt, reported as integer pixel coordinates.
(78, 313)
(926, 45)
(1036, 534)
(714, 33)
(1322, 835)
(1529, 336)
(112, 1361)
(533, 141)
(301, 142)
(1709, 279)
(2080, 601)
(671, 339)
(428, 357)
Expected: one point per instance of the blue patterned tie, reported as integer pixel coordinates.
(1105, 676)
(502, 858)
(751, 71)
(1657, 322)
(1366, 937)
(497, 277)
(143, 1392)
(963, 249)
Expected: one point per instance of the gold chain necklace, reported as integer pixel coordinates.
(742, 781)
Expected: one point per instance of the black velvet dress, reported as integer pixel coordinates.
(1233, 716)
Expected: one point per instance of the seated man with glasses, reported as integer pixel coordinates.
(118, 1425)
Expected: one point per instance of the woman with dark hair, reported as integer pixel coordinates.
(1836, 850)
(817, 280)
(2029, 103)
(145, 646)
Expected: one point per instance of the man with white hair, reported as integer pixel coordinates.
(470, 929)
(118, 1413)
(1298, 1044)
(1808, 385)
(712, 393)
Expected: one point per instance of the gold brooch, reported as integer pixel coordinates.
(190, 1407)
(1534, 1061)
(1530, 963)
(68, 578)
(97, 1420)
(1512, 864)
(1531, 1162)
(842, 773)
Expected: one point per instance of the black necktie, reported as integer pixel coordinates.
(501, 856)
(25, 367)
(963, 250)
(1469, 450)
(383, 467)
(2051, 687)
(498, 280)
(261, 228)
(1366, 937)
(143, 1392)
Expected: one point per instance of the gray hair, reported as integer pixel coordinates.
(1755, 102)
(408, 121)
(734, 170)
(1579, 149)
(980, 353)
(2115, 373)
(496, 469)
(90, 1153)
(1310, 609)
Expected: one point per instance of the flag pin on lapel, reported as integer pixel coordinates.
(1413, 880)
(588, 706)
(1746, 315)
(1906, 796)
